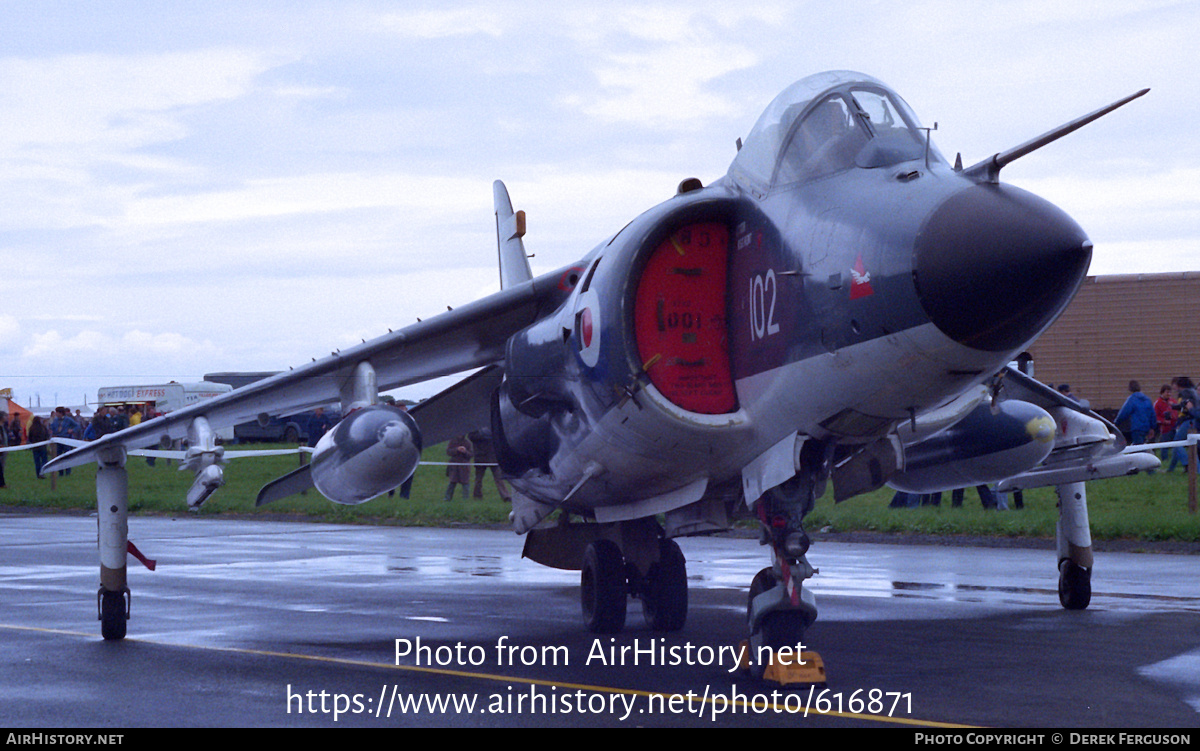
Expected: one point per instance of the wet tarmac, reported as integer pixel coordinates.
(249, 623)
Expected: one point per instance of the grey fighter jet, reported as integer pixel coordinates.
(839, 309)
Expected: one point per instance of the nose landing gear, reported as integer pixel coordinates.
(780, 609)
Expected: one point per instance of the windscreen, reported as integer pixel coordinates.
(826, 140)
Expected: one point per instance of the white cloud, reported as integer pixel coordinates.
(95, 344)
(1145, 256)
(666, 88)
(655, 65)
(119, 101)
(1133, 189)
(10, 331)
(309, 194)
(91, 358)
(442, 24)
(73, 121)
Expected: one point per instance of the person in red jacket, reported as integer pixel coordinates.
(1164, 412)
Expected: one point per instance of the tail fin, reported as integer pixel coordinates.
(510, 228)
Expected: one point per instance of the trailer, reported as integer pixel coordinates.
(157, 399)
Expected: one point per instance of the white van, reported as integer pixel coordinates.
(161, 398)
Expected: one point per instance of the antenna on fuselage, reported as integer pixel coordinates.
(927, 139)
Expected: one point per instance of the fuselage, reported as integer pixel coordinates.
(840, 279)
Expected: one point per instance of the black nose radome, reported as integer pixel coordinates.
(995, 265)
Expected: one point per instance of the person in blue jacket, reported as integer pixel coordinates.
(1139, 410)
(64, 426)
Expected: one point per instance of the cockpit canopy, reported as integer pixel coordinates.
(827, 123)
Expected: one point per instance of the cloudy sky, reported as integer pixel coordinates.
(194, 187)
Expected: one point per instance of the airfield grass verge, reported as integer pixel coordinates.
(1150, 508)
(1143, 507)
(161, 489)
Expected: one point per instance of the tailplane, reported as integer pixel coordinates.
(510, 228)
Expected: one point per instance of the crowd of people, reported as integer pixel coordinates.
(474, 447)
(62, 423)
(1169, 418)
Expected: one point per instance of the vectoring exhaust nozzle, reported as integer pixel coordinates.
(371, 451)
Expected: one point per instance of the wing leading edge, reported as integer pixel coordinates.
(468, 337)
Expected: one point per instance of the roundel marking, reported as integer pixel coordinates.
(587, 327)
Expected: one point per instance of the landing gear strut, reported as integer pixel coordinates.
(780, 608)
(112, 494)
(1074, 547)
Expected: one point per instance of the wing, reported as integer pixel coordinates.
(472, 336)
(29, 446)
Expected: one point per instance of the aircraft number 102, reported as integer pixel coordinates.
(762, 312)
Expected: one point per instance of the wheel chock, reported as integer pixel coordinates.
(786, 669)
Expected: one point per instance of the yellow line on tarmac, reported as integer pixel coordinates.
(757, 707)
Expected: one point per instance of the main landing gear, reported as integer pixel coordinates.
(644, 565)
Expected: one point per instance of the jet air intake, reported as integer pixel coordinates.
(679, 318)
(994, 266)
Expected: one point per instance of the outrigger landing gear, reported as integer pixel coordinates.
(1074, 547)
(112, 496)
(645, 565)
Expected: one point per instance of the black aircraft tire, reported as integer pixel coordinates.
(602, 587)
(1074, 585)
(666, 600)
(112, 615)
